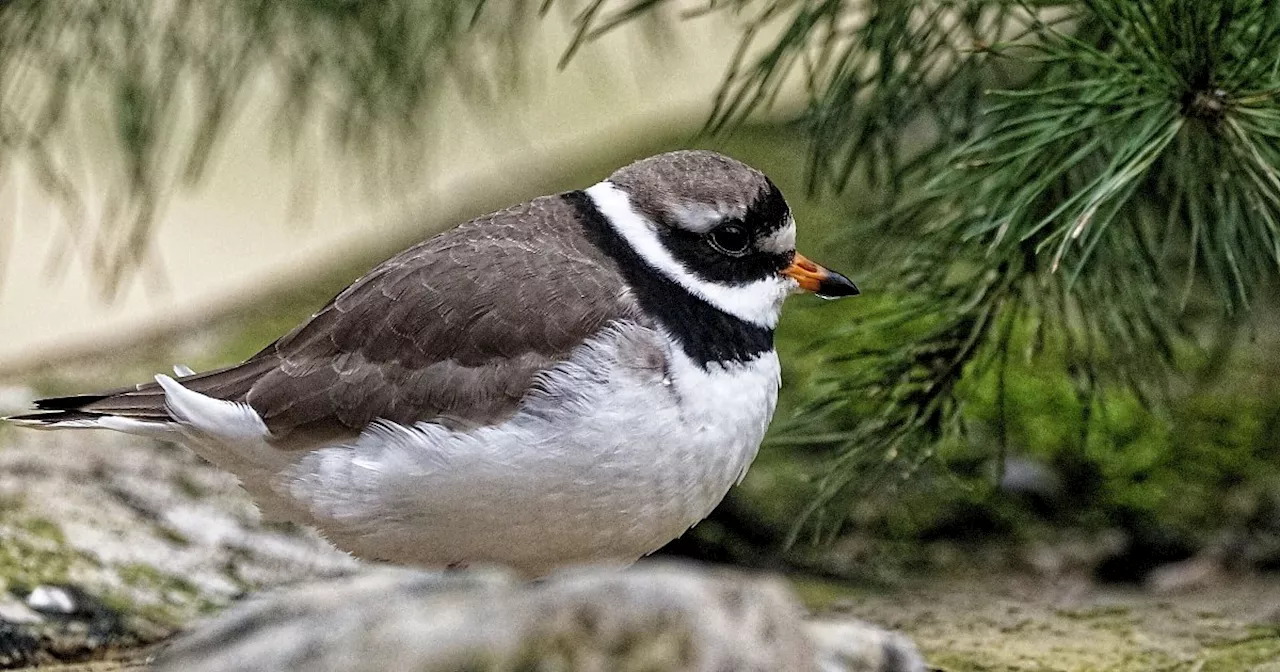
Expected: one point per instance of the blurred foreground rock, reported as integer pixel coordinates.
(110, 542)
(654, 617)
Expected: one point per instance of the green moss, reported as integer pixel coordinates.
(1261, 645)
(172, 536)
(158, 598)
(33, 550)
(820, 594)
(148, 616)
(161, 615)
(1002, 622)
(1110, 612)
(146, 576)
(44, 529)
(188, 486)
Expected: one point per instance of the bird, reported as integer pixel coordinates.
(577, 379)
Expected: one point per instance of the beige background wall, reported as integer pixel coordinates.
(243, 230)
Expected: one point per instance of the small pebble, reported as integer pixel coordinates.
(14, 611)
(51, 600)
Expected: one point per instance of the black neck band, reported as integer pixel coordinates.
(705, 333)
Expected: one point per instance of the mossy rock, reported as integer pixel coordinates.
(137, 538)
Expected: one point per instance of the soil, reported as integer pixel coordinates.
(1018, 623)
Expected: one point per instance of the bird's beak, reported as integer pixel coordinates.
(822, 281)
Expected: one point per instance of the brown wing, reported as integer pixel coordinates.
(452, 330)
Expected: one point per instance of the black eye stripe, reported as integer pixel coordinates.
(726, 261)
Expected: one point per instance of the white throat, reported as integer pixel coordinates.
(758, 302)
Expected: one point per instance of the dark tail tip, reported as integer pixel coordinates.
(51, 417)
(70, 403)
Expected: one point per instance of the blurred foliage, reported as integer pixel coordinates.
(1096, 225)
(164, 82)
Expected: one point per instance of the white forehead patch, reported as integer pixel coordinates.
(699, 217)
(781, 241)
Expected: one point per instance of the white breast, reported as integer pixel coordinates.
(617, 452)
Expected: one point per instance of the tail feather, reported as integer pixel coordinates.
(69, 403)
(48, 420)
(141, 405)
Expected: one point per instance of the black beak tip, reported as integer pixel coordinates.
(836, 286)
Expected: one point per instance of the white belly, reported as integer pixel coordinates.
(611, 460)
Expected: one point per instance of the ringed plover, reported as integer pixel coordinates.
(579, 378)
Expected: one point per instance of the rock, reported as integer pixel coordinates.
(1199, 571)
(55, 600)
(115, 541)
(18, 647)
(15, 398)
(16, 612)
(851, 645)
(655, 616)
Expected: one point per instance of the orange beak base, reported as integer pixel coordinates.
(822, 281)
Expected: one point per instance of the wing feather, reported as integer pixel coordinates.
(452, 330)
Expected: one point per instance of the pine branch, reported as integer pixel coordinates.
(1131, 171)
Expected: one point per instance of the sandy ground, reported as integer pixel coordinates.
(1017, 624)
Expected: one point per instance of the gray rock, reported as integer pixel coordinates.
(15, 398)
(850, 645)
(16, 612)
(146, 528)
(652, 617)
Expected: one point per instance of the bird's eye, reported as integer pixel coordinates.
(730, 239)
